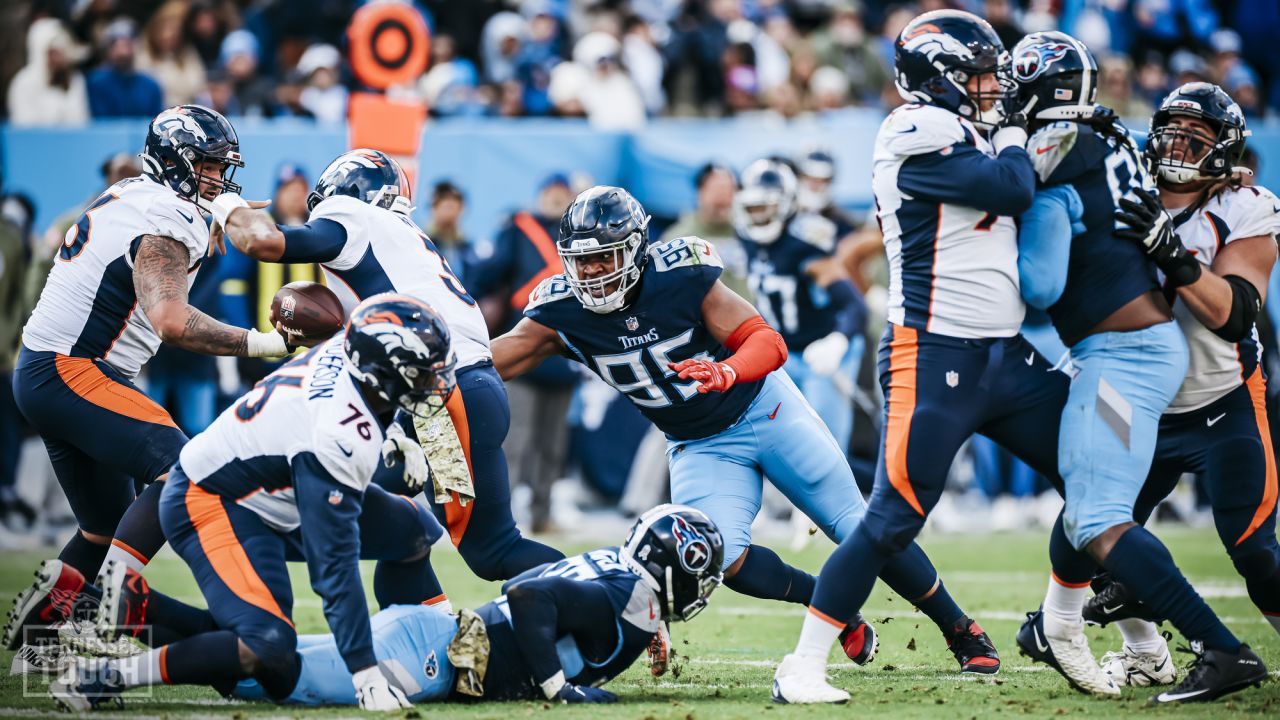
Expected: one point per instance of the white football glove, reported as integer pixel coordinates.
(400, 447)
(375, 693)
(824, 355)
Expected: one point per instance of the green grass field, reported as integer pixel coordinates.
(726, 656)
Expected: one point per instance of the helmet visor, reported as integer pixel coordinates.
(429, 388)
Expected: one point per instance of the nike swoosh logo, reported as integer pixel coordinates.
(187, 217)
(1111, 610)
(1211, 421)
(774, 414)
(1031, 359)
(1041, 643)
(1167, 697)
(910, 130)
(1043, 150)
(345, 451)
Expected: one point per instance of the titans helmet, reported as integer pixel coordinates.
(605, 227)
(939, 51)
(369, 176)
(180, 138)
(1181, 155)
(398, 348)
(678, 552)
(765, 200)
(816, 171)
(1057, 77)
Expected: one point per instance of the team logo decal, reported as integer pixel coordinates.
(1033, 61)
(633, 323)
(431, 668)
(932, 42)
(182, 120)
(691, 546)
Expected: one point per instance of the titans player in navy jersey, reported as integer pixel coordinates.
(658, 325)
(801, 290)
(1128, 356)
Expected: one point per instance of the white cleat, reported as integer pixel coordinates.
(1075, 661)
(1140, 669)
(802, 680)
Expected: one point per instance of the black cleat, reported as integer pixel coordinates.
(1215, 673)
(973, 648)
(1113, 601)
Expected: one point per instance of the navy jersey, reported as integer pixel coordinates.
(587, 658)
(630, 348)
(788, 298)
(1103, 272)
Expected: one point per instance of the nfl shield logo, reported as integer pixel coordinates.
(633, 323)
(953, 378)
(287, 306)
(335, 497)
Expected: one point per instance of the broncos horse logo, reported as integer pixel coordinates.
(930, 41)
(1033, 61)
(178, 119)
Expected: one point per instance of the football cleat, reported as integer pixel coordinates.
(660, 651)
(124, 601)
(859, 641)
(82, 638)
(1112, 601)
(1070, 656)
(1215, 673)
(86, 685)
(802, 680)
(50, 600)
(1140, 669)
(973, 648)
(44, 659)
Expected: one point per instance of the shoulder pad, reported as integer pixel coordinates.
(1251, 211)
(642, 609)
(919, 129)
(1050, 145)
(815, 230)
(553, 288)
(684, 252)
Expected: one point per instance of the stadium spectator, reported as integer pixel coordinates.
(49, 90)
(1000, 14)
(608, 95)
(503, 36)
(186, 383)
(239, 60)
(845, 45)
(114, 169)
(1167, 26)
(16, 216)
(539, 54)
(207, 24)
(643, 59)
(445, 227)
(117, 89)
(168, 55)
(828, 89)
(323, 97)
(712, 219)
(1115, 88)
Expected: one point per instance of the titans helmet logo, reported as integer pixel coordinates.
(691, 546)
(1033, 61)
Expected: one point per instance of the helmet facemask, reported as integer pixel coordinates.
(1200, 155)
(607, 291)
(999, 98)
(761, 207)
(428, 389)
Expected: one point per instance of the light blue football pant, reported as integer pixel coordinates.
(779, 436)
(1122, 382)
(831, 396)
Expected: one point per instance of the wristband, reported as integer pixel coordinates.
(268, 344)
(551, 686)
(223, 205)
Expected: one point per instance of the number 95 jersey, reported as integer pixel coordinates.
(631, 347)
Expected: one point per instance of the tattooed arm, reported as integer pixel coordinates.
(160, 282)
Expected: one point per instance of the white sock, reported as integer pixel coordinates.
(1274, 620)
(141, 670)
(1063, 608)
(441, 603)
(1140, 636)
(817, 635)
(125, 554)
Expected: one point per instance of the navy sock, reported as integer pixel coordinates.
(139, 529)
(1146, 568)
(911, 574)
(765, 576)
(83, 555)
(1070, 566)
(847, 577)
(209, 659)
(170, 620)
(1260, 568)
(405, 583)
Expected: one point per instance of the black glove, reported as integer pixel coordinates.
(1148, 225)
(574, 694)
(1014, 119)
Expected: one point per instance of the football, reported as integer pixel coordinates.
(307, 309)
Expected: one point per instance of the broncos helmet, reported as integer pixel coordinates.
(678, 552)
(765, 200)
(939, 51)
(398, 347)
(816, 171)
(1200, 156)
(603, 220)
(1057, 77)
(182, 136)
(367, 175)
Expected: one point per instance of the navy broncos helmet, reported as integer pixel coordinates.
(678, 552)
(367, 175)
(398, 347)
(181, 137)
(1181, 155)
(1057, 77)
(765, 200)
(939, 51)
(604, 223)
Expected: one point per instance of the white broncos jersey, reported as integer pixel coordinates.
(88, 307)
(384, 246)
(310, 405)
(953, 269)
(1217, 367)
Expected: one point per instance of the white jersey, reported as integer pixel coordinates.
(311, 405)
(953, 269)
(1217, 367)
(383, 247)
(88, 307)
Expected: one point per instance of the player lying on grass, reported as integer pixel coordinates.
(286, 472)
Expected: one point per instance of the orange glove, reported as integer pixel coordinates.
(714, 376)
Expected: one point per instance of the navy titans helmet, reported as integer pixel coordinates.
(181, 137)
(765, 200)
(398, 348)
(678, 552)
(939, 51)
(369, 176)
(1201, 157)
(604, 219)
(815, 168)
(1057, 77)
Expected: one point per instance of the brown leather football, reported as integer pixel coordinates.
(308, 310)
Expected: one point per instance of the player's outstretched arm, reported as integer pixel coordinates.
(1229, 297)
(160, 283)
(542, 610)
(757, 348)
(254, 232)
(524, 347)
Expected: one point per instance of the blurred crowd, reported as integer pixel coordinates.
(616, 62)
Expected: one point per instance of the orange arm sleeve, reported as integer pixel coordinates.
(757, 349)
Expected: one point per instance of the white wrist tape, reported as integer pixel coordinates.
(222, 206)
(551, 686)
(1008, 137)
(268, 344)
